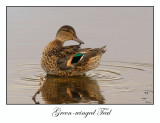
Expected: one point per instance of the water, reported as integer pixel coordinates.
(124, 76)
(111, 83)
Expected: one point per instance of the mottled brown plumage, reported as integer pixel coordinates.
(69, 60)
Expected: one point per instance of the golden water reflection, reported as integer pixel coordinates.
(60, 90)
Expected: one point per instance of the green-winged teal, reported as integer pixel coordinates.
(69, 60)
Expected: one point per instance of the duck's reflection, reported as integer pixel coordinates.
(59, 90)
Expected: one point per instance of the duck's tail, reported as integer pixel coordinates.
(90, 59)
(91, 53)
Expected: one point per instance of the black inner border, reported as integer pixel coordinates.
(79, 6)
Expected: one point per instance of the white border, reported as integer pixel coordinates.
(43, 113)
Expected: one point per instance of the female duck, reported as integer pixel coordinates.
(69, 60)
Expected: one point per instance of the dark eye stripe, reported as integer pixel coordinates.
(67, 30)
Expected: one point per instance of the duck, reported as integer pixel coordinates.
(60, 60)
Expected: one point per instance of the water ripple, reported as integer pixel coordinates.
(115, 78)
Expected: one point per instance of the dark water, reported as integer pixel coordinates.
(124, 76)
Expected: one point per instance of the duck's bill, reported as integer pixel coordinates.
(78, 40)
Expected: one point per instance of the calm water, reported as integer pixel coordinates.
(124, 76)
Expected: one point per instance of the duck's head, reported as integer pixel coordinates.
(66, 33)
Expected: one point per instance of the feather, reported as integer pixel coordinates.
(77, 58)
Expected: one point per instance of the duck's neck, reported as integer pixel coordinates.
(57, 43)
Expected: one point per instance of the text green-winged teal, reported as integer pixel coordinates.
(69, 60)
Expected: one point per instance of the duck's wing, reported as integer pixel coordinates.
(77, 56)
(91, 53)
(68, 50)
(65, 56)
